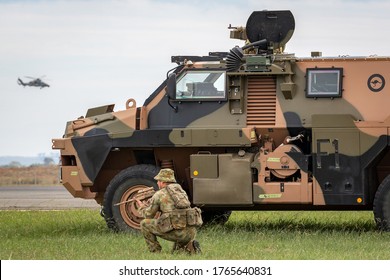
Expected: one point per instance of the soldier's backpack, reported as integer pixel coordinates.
(179, 196)
(183, 215)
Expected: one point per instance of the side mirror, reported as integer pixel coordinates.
(171, 86)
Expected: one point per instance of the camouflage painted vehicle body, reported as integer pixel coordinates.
(253, 129)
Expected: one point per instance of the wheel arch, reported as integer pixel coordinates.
(116, 161)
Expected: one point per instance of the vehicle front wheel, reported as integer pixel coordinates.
(382, 205)
(122, 216)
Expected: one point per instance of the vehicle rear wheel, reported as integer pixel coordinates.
(382, 205)
(125, 216)
(219, 217)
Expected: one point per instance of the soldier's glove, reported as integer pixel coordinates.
(144, 197)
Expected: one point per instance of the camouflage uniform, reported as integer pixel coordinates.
(162, 202)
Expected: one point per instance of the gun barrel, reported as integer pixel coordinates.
(262, 43)
(138, 195)
(124, 202)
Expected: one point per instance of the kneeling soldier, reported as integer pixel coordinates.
(178, 222)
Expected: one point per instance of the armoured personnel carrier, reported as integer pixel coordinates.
(254, 128)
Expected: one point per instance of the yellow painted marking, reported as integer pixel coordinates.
(273, 159)
(270, 195)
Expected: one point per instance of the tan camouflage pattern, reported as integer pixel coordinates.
(162, 202)
(233, 152)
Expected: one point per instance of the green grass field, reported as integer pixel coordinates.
(82, 234)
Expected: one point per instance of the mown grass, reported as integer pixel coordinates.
(82, 234)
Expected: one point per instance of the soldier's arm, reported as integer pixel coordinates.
(150, 210)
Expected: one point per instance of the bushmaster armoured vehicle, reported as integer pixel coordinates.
(254, 128)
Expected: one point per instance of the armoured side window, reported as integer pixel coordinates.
(201, 85)
(324, 82)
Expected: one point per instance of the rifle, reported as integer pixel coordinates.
(140, 195)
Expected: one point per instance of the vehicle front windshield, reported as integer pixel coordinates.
(197, 85)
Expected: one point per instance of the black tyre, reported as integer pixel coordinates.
(382, 205)
(125, 217)
(212, 217)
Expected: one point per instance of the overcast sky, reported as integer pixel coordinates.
(94, 53)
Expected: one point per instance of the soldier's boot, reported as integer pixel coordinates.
(193, 247)
(155, 251)
(177, 248)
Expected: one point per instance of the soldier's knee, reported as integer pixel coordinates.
(143, 225)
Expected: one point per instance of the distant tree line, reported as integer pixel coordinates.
(47, 161)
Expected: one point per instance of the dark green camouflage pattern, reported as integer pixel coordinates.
(251, 129)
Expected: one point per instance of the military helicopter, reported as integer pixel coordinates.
(35, 82)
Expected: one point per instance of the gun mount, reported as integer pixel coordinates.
(266, 34)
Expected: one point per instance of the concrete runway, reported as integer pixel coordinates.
(41, 198)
